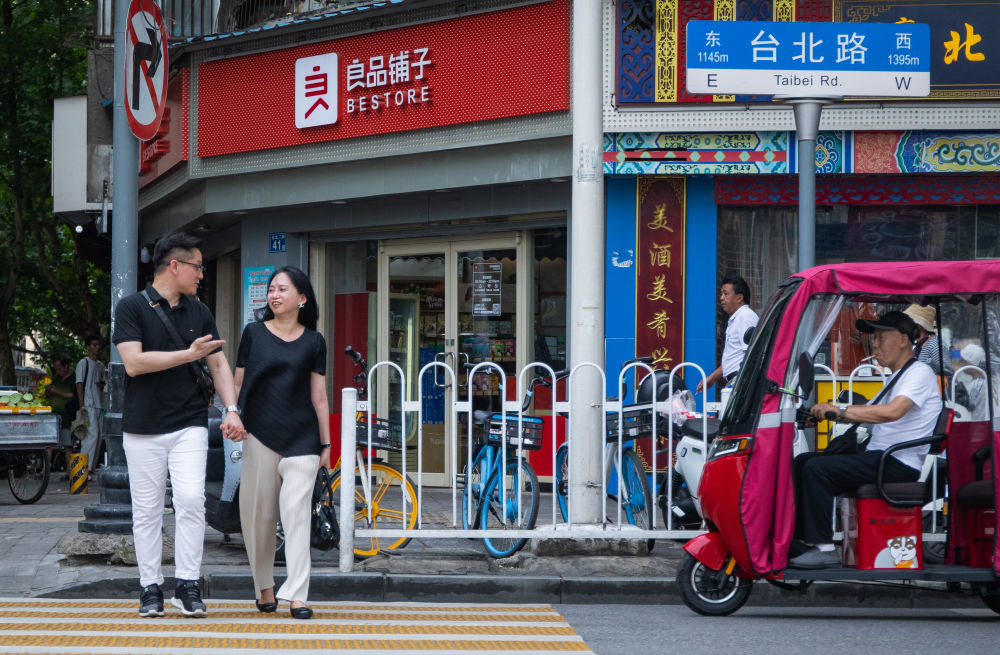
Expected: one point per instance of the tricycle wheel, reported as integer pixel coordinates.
(992, 600)
(709, 592)
(28, 475)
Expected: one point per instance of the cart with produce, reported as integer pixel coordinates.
(28, 431)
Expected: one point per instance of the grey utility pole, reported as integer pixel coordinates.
(114, 513)
(586, 339)
(807, 113)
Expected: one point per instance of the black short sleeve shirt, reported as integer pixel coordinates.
(275, 393)
(164, 401)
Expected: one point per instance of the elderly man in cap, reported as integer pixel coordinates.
(909, 410)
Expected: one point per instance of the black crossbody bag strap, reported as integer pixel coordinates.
(172, 333)
(883, 392)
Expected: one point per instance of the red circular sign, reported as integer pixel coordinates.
(146, 63)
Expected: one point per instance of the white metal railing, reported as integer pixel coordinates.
(413, 410)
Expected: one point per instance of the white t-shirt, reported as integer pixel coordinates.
(740, 321)
(920, 385)
(91, 392)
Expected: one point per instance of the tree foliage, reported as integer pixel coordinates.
(47, 292)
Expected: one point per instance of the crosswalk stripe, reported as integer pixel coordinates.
(113, 626)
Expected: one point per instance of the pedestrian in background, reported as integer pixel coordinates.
(90, 375)
(928, 346)
(62, 397)
(165, 416)
(282, 356)
(734, 298)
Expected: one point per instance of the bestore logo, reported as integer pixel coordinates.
(378, 83)
(316, 90)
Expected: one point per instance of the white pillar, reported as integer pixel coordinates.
(348, 440)
(586, 339)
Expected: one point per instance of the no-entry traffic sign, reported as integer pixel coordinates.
(145, 68)
(808, 59)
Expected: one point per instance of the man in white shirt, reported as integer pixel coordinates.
(908, 411)
(90, 392)
(734, 297)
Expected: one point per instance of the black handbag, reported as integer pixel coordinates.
(199, 369)
(324, 533)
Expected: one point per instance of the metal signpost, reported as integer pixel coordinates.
(141, 66)
(809, 64)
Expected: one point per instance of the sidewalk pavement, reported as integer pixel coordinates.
(442, 570)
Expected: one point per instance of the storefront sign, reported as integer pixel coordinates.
(499, 64)
(255, 290)
(169, 146)
(650, 50)
(808, 59)
(965, 52)
(486, 285)
(659, 296)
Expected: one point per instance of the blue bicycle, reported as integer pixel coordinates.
(502, 494)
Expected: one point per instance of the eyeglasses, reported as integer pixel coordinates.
(200, 267)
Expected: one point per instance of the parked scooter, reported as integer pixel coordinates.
(222, 478)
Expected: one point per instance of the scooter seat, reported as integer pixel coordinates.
(980, 494)
(693, 428)
(907, 492)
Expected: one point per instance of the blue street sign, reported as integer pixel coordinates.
(808, 59)
(276, 242)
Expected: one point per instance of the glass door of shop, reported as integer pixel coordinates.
(458, 302)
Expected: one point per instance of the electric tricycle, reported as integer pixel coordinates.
(746, 490)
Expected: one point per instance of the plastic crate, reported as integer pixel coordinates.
(638, 423)
(531, 431)
(386, 434)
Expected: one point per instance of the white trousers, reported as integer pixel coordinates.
(150, 456)
(273, 486)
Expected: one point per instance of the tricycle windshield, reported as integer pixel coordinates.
(744, 405)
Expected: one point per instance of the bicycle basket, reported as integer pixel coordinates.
(386, 434)
(531, 431)
(636, 424)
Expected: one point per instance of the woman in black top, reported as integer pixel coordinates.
(281, 381)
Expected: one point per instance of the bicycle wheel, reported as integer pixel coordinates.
(28, 474)
(561, 469)
(393, 507)
(520, 498)
(474, 484)
(637, 501)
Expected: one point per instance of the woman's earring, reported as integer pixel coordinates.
(301, 305)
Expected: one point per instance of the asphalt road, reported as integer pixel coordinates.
(616, 629)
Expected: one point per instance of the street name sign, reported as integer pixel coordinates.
(145, 68)
(808, 59)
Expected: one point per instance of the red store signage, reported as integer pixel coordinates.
(506, 63)
(169, 146)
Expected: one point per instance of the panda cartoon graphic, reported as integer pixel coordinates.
(899, 553)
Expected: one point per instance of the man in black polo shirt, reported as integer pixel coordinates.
(165, 419)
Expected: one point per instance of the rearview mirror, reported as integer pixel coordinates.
(748, 335)
(807, 374)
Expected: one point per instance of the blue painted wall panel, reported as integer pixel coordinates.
(699, 275)
(619, 299)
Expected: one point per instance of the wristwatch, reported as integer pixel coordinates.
(842, 416)
(234, 408)
(324, 445)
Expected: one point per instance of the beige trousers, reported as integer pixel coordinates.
(273, 486)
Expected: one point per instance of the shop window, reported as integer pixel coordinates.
(550, 297)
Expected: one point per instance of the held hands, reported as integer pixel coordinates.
(232, 427)
(204, 346)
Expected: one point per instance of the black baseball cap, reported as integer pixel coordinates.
(890, 321)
